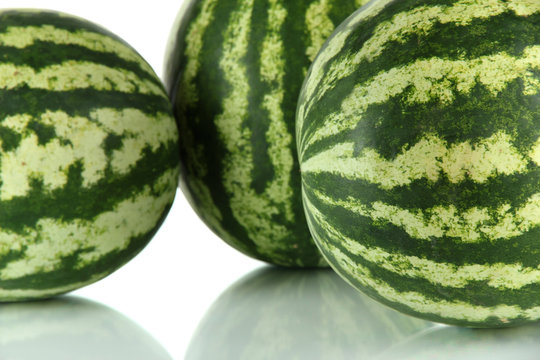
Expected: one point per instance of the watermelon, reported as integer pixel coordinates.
(276, 313)
(418, 136)
(88, 153)
(233, 71)
(70, 327)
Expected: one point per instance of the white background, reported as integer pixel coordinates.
(169, 286)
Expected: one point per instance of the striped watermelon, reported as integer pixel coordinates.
(88, 154)
(418, 130)
(234, 71)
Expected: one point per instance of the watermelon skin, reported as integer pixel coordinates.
(418, 136)
(234, 71)
(89, 153)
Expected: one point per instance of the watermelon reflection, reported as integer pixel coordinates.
(71, 328)
(451, 343)
(277, 313)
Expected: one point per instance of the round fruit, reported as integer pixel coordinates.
(234, 71)
(88, 153)
(418, 130)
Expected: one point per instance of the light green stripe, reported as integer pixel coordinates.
(79, 139)
(534, 154)
(71, 75)
(253, 211)
(319, 26)
(193, 52)
(360, 3)
(433, 79)
(498, 275)
(524, 7)
(51, 240)
(418, 302)
(429, 158)
(403, 25)
(22, 37)
(279, 190)
(332, 49)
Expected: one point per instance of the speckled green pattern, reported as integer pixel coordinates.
(418, 129)
(88, 153)
(234, 71)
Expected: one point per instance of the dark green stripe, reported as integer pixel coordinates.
(524, 249)
(340, 10)
(44, 133)
(42, 54)
(75, 201)
(79, 102)
(295, 37)
(392, 126)
(422, 194)
(258, 118)
(10, 138)
(18, 18)
(295, 40)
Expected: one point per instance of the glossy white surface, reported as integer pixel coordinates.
(70, 327)
(188, 290)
